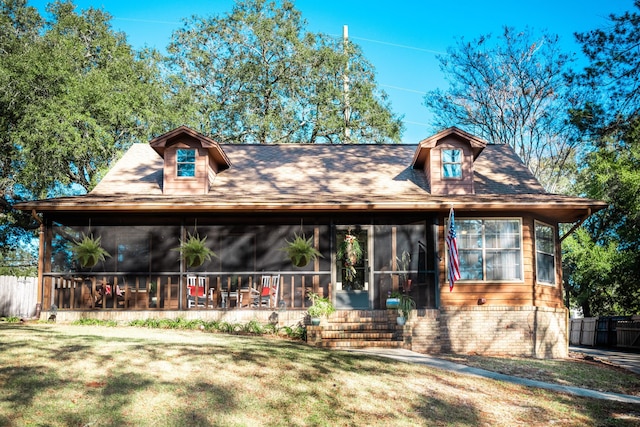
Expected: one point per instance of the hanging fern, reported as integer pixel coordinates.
(194, 251)
(88, 250)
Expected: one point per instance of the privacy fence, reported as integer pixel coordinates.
(606, 331)
(18, 296)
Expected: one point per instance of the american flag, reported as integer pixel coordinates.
(452, 244)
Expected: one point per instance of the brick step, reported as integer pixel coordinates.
(358, 327)
(359, 317)
(360, 344)
(356, 319)
(342, 335)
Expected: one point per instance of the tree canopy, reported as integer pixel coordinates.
(610, 120)
(511, 91)
(256, 75)
(73, 94)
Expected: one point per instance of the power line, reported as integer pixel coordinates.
(401, 45)
(405, 89)
(416, 123)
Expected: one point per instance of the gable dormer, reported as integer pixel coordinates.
(191, 161)
(447, 160)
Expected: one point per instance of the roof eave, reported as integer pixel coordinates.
(564, 212)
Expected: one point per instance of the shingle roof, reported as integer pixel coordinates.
(327, 172)
(317, 176)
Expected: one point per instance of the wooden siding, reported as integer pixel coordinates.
(200, 184)
(433, 168)
(510, 294)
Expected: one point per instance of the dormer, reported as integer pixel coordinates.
(447, 160)
(191, 161)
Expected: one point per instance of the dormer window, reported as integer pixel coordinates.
(452, 164)
(447, 160)
(186, 162)
(191, 161)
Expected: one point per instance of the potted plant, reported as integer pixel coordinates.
(88, 250)
(405, 305)
(393, 300)
(194, 250)
(301, 251)
(404, 263)
(320, 307)
(349, 253)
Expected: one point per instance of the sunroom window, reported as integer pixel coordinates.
(490, 249)
(452, 163)
(186, 160)
(545, 254)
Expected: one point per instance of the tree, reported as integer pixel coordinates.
(610, 120)
(255, 75)
(19, 28)
(74, 95)
(511, 92)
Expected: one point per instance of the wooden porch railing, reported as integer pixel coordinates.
(168, 291)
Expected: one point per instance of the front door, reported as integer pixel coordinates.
(353, 273)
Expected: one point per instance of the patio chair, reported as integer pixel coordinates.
(263, 291)
(196, 291)
(269, 292)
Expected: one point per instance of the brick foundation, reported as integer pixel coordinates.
(518, 331)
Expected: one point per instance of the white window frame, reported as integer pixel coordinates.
(484, 249)
(179, 163)
(452, 163)
(538, 252)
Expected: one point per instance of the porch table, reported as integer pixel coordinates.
(242, 297)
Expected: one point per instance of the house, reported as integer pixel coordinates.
(249, 200)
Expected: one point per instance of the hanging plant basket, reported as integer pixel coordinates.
(301, 251)
(194, 250)
(89, 251)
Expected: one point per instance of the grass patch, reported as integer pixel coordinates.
(63, 375)
(577, 371)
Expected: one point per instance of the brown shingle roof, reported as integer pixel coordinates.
(316, 176)
(325, 172)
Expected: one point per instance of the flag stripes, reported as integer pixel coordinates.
(452, 244)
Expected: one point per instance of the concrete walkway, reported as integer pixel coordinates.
(625, 359)
(423, 359)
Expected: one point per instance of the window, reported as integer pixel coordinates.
(452, 163)
(545, 254)
(489, 249)
(186, 162)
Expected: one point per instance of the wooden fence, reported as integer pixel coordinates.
(583, 331)
(18, 296)
(606, 331)
(629, 334)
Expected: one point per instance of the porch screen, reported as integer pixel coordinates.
(490, 249)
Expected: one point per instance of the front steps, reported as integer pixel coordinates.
(358, 329)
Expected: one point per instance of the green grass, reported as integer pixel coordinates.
(67, 375)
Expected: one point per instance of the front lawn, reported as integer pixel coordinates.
(63, 375)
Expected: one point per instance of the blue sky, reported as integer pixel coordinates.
(401, 38)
